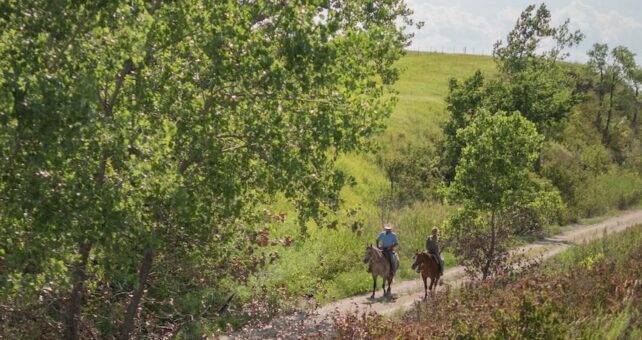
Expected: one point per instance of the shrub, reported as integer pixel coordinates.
(531, 319)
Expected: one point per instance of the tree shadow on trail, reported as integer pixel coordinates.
(547, 241)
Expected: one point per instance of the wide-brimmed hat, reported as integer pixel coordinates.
(387, 226)
(435, 229)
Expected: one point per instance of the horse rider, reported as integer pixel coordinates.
(388, 241)
(432, 246)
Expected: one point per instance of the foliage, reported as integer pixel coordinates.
(413, 175)
(618, 188)
(493, 171)
(471, 233)
(464, 100)
(533, 82)
(580, 166)
(614, 71)
(522, 49)
(493, 181)
(532, 320)
(529, 81)
(139, 138)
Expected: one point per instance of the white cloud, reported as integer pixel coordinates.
(451, 26)
(610, 26)
(604, 26)
(509, 14)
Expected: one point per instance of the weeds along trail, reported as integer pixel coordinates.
(317, 322)
(408, 292)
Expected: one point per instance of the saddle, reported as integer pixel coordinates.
(435, 258)
(395, 259)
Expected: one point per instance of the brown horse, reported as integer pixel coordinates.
(429, 267)
(379, 266)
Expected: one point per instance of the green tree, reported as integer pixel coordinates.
(618, 81)
(493, 178)
(530, 80)
(138, 137)
(621, 69)
(598, 59)
(534, 83)
(636, 78)
(464, 99)
(522, 50)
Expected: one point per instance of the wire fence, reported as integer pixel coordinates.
(453, 50)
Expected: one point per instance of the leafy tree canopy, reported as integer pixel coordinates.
(530, 81)
(498, 154)
(140, 130)
(523, 47)
(495, 184)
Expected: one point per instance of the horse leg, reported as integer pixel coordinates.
(374, 286)
(383, 285)
(425, 287)
(390, 286)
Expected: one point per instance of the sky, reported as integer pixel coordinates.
(452, 25)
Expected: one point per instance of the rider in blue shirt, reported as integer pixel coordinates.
(387, 241)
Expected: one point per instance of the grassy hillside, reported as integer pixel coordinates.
(422, 89)
(416, 120)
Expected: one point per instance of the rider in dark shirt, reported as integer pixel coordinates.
(432, 246)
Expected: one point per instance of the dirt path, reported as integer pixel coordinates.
(408, 292)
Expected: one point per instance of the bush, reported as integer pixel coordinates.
(616, 189)
(531, 319)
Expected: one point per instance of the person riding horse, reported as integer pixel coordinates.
(432, 246)
(388, 241)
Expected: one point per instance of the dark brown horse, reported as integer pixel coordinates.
(429, 267)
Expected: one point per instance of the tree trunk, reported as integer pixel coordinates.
(491, 251)
(75, 300)
(610, 113)
(600, 96)
(143, 273)
(637, 107)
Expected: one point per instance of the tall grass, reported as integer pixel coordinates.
(616, 248)
(616, 189)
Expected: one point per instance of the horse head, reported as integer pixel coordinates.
(416, 260)
(368, 254)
